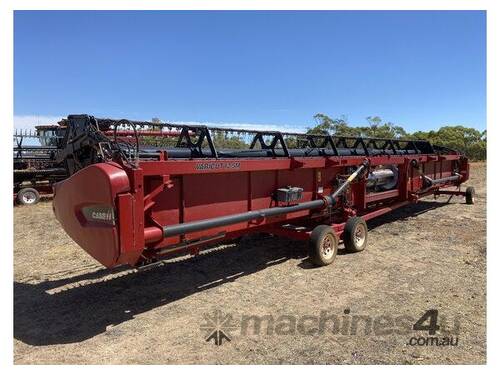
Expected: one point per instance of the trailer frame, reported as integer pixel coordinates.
(168, 201)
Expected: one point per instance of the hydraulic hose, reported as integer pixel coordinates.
(199, 225)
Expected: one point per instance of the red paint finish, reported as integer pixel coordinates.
(95, 186)
(131, 242)
(161, 193)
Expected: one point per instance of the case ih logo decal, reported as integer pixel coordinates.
(99, 214)
(217, 165)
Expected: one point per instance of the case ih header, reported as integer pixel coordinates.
(141, 191)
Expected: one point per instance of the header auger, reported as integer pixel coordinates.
(141, 191)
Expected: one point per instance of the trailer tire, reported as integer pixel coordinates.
(470, 195)
(323, 245)
(28, 196)
(355, 234)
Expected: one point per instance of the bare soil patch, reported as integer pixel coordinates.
(431, 255)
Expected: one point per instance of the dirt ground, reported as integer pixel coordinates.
(432, 255)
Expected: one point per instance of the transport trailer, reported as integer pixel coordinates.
(35, 168)
(127, 202)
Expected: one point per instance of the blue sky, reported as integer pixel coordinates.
(421, 70)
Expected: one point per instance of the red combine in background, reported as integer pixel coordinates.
(139, 191)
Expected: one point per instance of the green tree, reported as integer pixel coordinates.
(470, 141)
(327, 125)
(222, 139)
(339, 126)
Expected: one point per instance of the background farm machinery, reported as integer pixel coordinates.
(40, 159)
(35, 164)
(140, 191)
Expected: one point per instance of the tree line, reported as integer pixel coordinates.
(470, 141)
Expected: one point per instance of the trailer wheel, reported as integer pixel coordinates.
(323, 245)
(470, 195)
(355, 234)
(28, 196)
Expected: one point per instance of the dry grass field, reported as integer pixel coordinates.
(359, 310)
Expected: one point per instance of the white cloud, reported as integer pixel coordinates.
(247, 126)
(30, 121)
